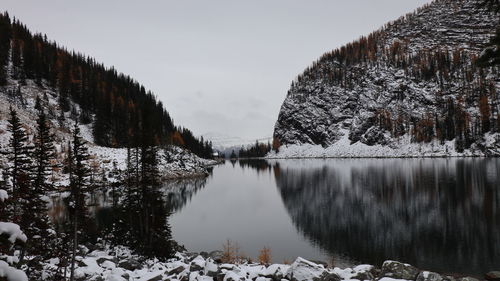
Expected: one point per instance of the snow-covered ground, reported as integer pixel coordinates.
(119, 264)
(403, 148)
(175, 162)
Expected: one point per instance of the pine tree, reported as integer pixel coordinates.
(19, 157)
(44, 153)
(79, 172)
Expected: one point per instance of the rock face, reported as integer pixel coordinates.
(413, 81)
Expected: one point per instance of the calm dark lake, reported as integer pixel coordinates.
(437, 214)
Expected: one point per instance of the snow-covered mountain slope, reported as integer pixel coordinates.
(175, 162)
(411, 88)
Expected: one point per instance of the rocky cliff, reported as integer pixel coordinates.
(411, 88)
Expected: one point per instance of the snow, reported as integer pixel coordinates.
(3, 195)
(302, 270)
(403, 148)
(10, 273)
(13, 231)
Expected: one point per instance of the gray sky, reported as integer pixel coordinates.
(218, 66)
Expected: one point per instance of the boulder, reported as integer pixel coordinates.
(130, 264)
(216, 256)
(101, 260)
(302, 270)
(197, 264)
(176, 270)
(328, 276)
(399, 270)
(429, 276)
(365, 272)
(492, 276)
(275, 271)
(211, 268)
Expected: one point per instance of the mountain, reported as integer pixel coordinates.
(225, 144)
(119, 110)
(412, 88)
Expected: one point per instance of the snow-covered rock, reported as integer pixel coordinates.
(358, 100)
(398, 270)
(302, 270)
(97, 265)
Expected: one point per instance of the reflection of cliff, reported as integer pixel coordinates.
(178, 192)
(434, 213)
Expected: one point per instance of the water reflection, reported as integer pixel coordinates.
(441, 214)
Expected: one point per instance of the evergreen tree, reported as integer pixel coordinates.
(79, 172)
(19, 157)
(44, 153)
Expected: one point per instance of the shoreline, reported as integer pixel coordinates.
(118, 263)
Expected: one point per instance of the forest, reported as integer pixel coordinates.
(465, 105)
(123, 112)
(138, 217)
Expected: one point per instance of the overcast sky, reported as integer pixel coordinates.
(219, 66)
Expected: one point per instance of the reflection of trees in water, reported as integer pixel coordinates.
(260, 165)
(178, 192)
(139, 221)
(434, 213)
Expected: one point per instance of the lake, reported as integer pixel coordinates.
(439, 214)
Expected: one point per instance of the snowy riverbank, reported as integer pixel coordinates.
(119, 264)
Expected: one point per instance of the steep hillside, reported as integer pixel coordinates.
(119, 110)
(411, 88)
(114, 112)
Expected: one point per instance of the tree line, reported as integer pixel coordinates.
(122, 111)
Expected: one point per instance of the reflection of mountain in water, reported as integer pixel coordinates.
(434, 213)
(178, 192)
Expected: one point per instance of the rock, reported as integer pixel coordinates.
(130, 264)
(363, 276)
(158, 277)
(197, 264)
(328, 276)
(177, 270)
(467, 279)
(492, 276)
(365, 272)
(211, 268)
(101, 260)
(324, 264)
(429, 276)
(191, 256)
(302, 270)
(449, 278)
(216, 256)
(275, 271)
(220, 276)
(108, 264)
(204, 255)
(233, 276)
(399, 270)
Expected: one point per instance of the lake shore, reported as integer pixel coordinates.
(119, 264)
